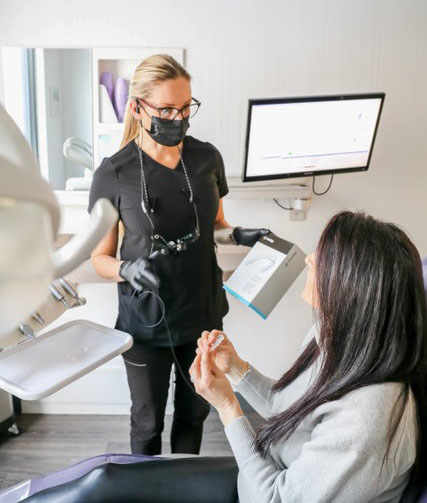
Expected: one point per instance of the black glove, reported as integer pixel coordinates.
(248, 237)
(140, 274)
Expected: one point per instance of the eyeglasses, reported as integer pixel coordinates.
(171, 113)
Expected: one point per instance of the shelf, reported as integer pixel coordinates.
(265, 190)
(238, 190)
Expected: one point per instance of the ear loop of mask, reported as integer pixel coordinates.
(141, 125)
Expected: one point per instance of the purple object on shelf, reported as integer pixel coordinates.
(107, 80)
(121, 97)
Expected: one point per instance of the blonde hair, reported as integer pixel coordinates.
(151, 71)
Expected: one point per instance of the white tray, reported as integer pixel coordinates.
(37, 368)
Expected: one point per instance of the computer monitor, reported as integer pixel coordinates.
(306, 136)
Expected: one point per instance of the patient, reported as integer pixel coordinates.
(341, 423)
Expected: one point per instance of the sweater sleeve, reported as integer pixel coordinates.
(256, 390)
(340, 462)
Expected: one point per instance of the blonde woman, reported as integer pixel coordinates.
(168, 189)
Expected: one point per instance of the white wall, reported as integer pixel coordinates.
(257, 48)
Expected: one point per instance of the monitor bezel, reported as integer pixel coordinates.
(305, 99)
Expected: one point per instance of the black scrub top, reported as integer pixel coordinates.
(190, 281)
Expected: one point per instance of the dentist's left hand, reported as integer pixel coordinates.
(248, 237)
(213, 385)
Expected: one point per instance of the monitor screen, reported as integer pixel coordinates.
(294, 137)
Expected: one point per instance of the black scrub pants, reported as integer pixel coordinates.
(148, 377)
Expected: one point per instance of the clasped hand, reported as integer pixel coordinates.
(209, 371)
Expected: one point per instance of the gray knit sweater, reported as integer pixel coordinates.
(335, 454)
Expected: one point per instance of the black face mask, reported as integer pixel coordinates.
(167, 132)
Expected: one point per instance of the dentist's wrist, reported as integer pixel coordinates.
(232, 235)
(225, 236)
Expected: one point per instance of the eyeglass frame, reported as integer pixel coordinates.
(178, 110)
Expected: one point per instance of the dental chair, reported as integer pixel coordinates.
(131, 478)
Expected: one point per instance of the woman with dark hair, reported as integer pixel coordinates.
(348, 421)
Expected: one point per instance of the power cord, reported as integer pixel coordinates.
(187, 382)
(164, 320)
(283, 207)
(321, 193)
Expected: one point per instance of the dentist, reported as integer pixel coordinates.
(168, 189)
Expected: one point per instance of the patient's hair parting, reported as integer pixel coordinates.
(372, 325)
(151, 71)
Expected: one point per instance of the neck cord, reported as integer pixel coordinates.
(144, 191)
(186, 176)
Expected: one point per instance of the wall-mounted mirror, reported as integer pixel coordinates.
(48, 94)
(70, 103)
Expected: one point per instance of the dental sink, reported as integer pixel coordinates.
(40, 366)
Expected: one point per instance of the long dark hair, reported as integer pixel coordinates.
(372, 324)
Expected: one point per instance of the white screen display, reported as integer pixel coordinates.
(300, 137)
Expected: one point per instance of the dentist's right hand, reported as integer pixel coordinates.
(140, 273)
(224, 356)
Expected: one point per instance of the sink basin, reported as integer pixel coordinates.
(38, 367)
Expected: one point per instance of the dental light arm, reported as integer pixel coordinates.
(102, 218)
(34, 365)
(21, 181)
